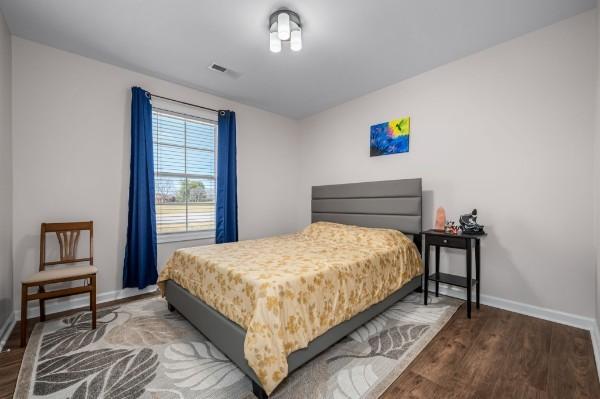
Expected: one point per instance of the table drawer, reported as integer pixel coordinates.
(451, 242)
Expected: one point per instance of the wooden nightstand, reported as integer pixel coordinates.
(439, 239)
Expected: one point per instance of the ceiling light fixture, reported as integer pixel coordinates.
(285, 25)
(274, 42)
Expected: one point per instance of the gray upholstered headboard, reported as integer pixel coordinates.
(392, 204)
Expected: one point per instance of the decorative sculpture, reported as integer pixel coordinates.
(451, 228)
(469, 225)
(440, 219)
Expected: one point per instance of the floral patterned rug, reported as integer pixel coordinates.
(141, 350)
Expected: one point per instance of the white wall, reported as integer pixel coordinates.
(71, 155)
(597, 175)
(507, 131)
(6, 264)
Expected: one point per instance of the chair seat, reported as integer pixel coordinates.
(68, 272)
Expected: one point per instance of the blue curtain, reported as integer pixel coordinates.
(227, 222)
(139, 269)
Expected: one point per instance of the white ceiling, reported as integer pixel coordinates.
(351, 47)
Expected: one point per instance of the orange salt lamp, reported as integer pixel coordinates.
(440, 219)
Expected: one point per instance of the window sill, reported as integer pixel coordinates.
(193, 236)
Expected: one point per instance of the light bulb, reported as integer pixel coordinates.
(296, 40)
(274, 42)
(283, 26)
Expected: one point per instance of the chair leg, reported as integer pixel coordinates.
(42, 304)
(93, 301)
(23, 315)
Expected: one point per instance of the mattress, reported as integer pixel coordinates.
(287, 290)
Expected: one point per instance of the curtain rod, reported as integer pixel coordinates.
(184, 103)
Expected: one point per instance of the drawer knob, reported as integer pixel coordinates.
(445, 241)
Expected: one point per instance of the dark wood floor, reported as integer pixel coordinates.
(500, 354)
(496, 354)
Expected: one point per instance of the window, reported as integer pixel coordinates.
(184, 174)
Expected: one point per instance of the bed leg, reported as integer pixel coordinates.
(170, 307)
(258, 391)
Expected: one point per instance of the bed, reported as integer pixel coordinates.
(271, 305)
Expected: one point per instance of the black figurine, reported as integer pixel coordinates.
(469, 225)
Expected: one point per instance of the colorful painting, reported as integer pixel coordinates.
(390, 137)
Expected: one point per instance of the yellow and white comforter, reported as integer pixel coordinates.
(286, 291)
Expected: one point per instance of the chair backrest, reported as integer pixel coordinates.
(68, 240)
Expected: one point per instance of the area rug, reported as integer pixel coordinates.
(141, 350)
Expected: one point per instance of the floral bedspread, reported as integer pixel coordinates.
(287, 290)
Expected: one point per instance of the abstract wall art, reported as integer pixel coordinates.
(390, 137)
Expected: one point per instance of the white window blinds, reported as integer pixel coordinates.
(184, 172)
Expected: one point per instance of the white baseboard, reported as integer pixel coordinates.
(557, 316)
(595, 333)
(79, 301)
(569, 319)
(6, 329)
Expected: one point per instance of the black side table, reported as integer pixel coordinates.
(440, 239)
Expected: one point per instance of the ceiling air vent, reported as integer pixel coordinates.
(218, 68)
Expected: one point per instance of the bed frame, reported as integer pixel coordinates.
(392, 204)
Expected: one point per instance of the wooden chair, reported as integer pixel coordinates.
(68, 239)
